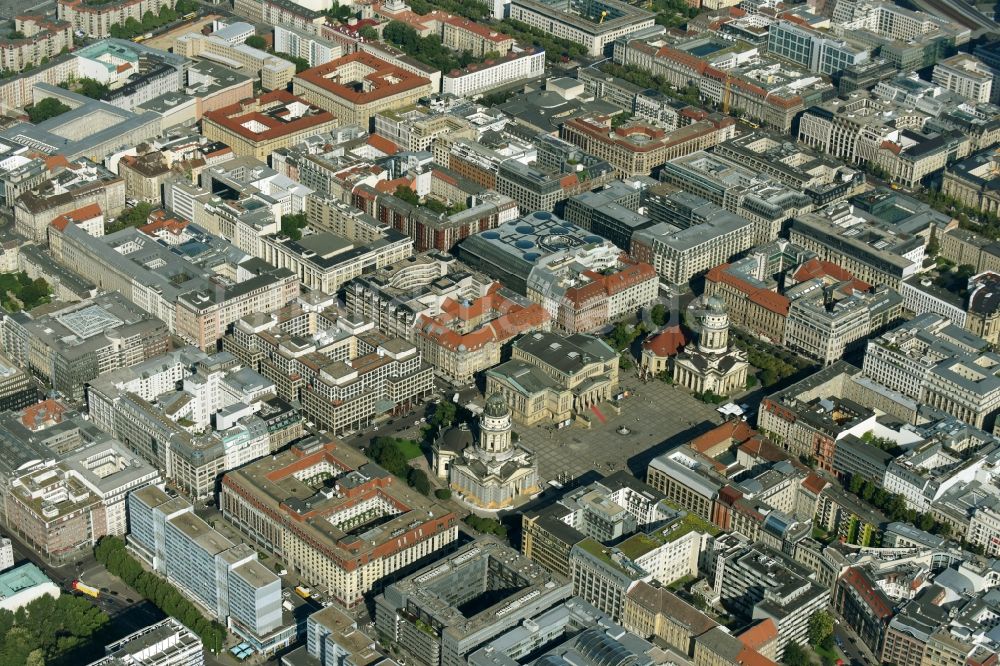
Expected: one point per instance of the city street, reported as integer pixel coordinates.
(128, 611)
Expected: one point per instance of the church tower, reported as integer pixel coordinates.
(714, 336)
(495, 425)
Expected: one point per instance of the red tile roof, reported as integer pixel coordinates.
(382, 144)
(234, 116)
(83, 214)
(760, 634)
(667, 342)
(385, 79)
(733, 431)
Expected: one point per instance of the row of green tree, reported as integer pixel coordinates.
(640, 77)
(150, 21)
(470, 9)
(555, 47)
(973, 219)
(893, 505)
(112, 554)
(48, 630)
(428, 50)
(774, 363)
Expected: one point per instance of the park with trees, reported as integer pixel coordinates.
(50, 631)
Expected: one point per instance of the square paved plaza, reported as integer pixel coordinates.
(659, 416)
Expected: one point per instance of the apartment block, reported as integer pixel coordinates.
(42, 39)
(225, 579)
(515, 65)
(312, 48)
(966, 75)
(95, 20)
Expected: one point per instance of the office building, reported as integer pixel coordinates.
(184, 290)
(758, 582)
(80, 184)
(966, 75)
(73, 345)
(636, 148)
(596, 25)
(273, 72)
(561, 170)
(459, 320)
(61, 507)
(225, 579)
(165, 643)
(323, 540)
(931, 360)
(445, 611)
(817, 52)
(257, 127)
(356, 87)
(678, 254)
(344, 373)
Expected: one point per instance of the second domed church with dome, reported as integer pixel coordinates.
(713, 364)
(488, 470)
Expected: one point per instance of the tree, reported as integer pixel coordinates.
(256, 41)
(136, 216)
(292, 225)
(406, 193)
(442, 494)
(16, 34)
(368, 33)
(417, 479)
(92, 88)
(820, 628)
(47, 108)
(795, 656)
(444, 414)
(659, 314)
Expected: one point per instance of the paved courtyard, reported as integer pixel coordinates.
(658, 415)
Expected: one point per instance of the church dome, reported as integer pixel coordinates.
(715, 303)
(496, 406)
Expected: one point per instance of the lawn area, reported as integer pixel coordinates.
(410, 448)
(16, 287)
(826, 655)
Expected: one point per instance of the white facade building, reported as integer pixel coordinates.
(476, 79)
